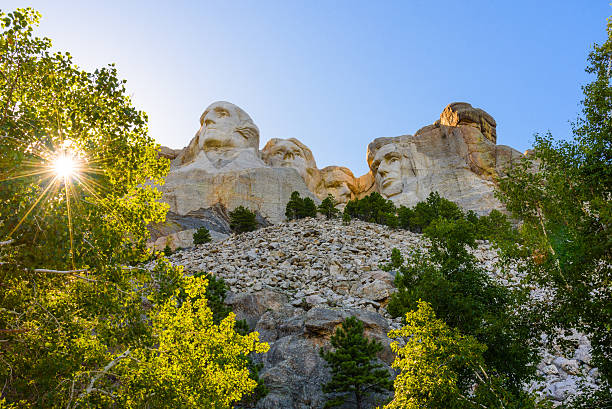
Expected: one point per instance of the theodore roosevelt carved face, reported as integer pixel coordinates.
(339, 182)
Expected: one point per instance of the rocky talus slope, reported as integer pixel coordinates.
(295, 282)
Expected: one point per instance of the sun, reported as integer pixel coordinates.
(64, 166)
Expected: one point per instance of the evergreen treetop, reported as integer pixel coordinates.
(354, 374)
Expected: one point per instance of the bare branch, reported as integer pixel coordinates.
(90, 388)
(44, 270)
(6, 242)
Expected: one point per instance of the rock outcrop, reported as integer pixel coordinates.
(457, 156)
(295, 282)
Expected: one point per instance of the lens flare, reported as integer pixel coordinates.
(64, 166)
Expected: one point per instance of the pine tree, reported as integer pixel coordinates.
(310, 208)
(328, 207)
(242, 220)
(294, 207)
(201, 236)
(353, 371)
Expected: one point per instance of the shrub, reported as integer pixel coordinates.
(328, 207)
(201, 236)
(373, 208)
(242, 220)
(346, 219)
(299, 208)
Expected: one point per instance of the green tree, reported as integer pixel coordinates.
(77, 191)
(373, 208)
(310, 208)
(201, 236)
(196, 364)
(562, 194)
(462, 294)
(346, 219)
(328, 207)
(295, 206)
(434, 360)
(353, 371)
(299, 208)
(242, 220)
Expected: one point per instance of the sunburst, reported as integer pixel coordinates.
(61, 168)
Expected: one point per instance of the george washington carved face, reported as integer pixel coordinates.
(225, 126)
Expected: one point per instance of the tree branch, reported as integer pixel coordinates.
(90, 388)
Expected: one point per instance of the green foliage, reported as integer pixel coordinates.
(462, 294)
(353, 371)
(396, 258)
(299, 208)
(216, 291)
(196, 364)
(81, 326)
(373, 208)
(418, 218)
(566, 212)
(328, 207)
(588, 399)
(201, 236)
(310, 208)
(242, 220)
(167, 251)
(433, 362)
(346, 219)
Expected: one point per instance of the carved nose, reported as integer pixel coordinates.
(208, 122)
(289, 155)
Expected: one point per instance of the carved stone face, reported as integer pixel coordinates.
(339, 182)
(226, 126)
(387, 170)
(286, 154)
(291, 153)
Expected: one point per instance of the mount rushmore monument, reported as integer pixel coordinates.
(223, 168)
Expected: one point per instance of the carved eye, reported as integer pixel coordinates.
(221, 112)
(208, 122)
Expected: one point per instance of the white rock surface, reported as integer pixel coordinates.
(319, 263)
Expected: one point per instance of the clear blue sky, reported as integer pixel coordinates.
(337, 74)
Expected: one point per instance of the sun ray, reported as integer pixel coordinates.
(25, 175)
(44, 192)
(66, 189)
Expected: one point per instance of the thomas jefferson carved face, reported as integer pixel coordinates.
(387, 169)
(289, 153)
(226, 126)
(339, 182)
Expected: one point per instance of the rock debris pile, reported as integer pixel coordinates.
(295, 282)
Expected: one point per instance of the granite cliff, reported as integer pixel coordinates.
(222, 168)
